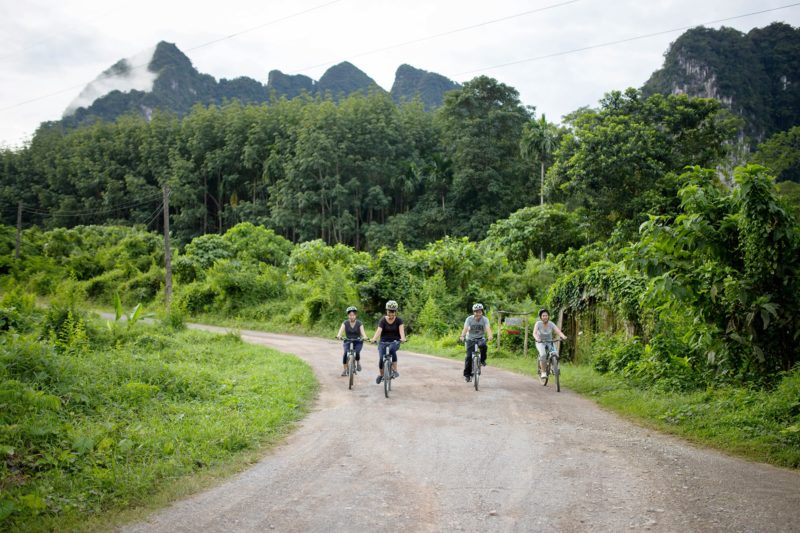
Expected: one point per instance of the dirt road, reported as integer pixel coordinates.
(515, 456)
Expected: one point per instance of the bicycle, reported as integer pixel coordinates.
(351, 361)
(551, 364)
(387, 367)
(476, 361)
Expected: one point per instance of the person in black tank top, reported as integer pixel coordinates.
(391, 332)
(352, 330)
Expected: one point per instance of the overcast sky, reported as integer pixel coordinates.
(50, 50)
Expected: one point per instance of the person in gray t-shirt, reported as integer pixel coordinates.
(476, 330)
(543, 332)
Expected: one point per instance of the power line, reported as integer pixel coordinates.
(202, 45)
(449, 32)
(260, 26)
(154, 215)
(620, 41)
(110, 209)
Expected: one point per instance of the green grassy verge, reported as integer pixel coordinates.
(102, 422)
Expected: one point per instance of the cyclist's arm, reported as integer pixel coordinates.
(489, 335)
(402, 333)
(377, 334)
(363, 333)
(341, 331)
(561, 335)
(464, 332)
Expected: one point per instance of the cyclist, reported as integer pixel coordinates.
(353, 330)
(391, 333)
(543, 333)
(476, 329)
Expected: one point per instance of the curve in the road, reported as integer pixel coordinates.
(514, 456)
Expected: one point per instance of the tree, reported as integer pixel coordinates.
(781, 154)
(481, 127)
(618, 162)
(537, 145)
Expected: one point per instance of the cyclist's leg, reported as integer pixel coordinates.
(542, 349)
(393, 351)
(484, 348)
(468, 359)
(357, 345)
(381, 349)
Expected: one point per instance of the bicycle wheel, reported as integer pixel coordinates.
(556, 373)
(351, 367)
(387, 376)
(476, 369)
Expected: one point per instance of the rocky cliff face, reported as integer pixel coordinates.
(756, 75)
(429, 87)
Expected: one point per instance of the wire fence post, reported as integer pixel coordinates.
(19, 230)
(167, 252)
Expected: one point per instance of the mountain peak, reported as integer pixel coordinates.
(429, 87)
(345, 78)
(125, 75)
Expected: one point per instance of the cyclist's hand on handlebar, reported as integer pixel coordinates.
(339, 337)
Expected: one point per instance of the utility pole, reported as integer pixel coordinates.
(19, 229)
(167, 251)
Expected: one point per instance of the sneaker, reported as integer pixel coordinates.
(483, 363)
(358, 366)
(467, 378)
(344, 373)
(395, 374)
(543, 375)
(378, 380)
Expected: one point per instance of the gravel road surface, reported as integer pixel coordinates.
(439, 456)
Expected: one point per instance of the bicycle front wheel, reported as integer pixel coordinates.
(556, 373)
(387, 376)
(476, 369)
(351, 367)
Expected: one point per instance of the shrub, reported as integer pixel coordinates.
(243, 284)
(144, 286)
(432, 320)
(328, 295)
(197, 297)
(257, 243)
(187, 269)
(207, 249)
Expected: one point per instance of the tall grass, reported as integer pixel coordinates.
(90, 427)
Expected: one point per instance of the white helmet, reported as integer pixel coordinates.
(477, 307)
(391, 305)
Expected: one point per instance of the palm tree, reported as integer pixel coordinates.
(537, 144)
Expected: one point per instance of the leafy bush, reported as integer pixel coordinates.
(242, 284)
(18, 311)
(432, 320)
(143, 287)
(613, 353)
(103, 287)
(197, 297)
(328, 295)
(207, 249)
(257, 243)
(187, 269)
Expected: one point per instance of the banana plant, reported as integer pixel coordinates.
(132, 318)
